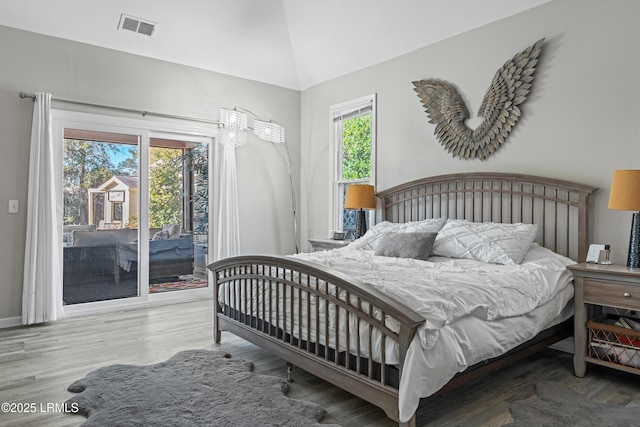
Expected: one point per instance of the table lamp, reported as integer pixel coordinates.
(360, 196)
(625, 195)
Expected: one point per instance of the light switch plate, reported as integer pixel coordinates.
(14, 206)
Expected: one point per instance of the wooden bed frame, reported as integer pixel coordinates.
(560, 208)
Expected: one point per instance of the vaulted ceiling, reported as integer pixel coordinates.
(291, 43)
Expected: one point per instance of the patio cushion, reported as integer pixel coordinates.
(103, 237)
(159, 250)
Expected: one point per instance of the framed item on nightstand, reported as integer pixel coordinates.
(599, 254)
(594, 253)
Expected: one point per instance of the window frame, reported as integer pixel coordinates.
(146, 130)
(337, 114)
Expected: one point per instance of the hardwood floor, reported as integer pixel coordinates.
(38, 363)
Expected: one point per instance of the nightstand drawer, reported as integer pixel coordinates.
(612, 294)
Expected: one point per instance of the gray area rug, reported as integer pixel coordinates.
(192, 388)
(559, 405)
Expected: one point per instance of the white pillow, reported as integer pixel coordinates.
(374, 234)
(485, 241)
(172, 230)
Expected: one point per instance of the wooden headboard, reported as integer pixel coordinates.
(559, 208)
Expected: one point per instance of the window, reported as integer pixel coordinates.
(353, 130)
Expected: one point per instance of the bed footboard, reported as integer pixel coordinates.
(318, 319)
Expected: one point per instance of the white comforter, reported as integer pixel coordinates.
(473, 310)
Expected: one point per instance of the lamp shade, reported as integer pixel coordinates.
(269, 131)
(232, 137)
(360, 196)
(625, 190)
(233, 119)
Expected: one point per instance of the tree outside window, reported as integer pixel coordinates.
(177, 183)
(165, 186)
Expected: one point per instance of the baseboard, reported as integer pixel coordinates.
(567, 345)
(89, 309)
(10, 322)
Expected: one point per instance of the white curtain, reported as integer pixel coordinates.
(42, 263)
(226, 232)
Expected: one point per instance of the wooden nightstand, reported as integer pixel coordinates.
(326, 244)
(598, 286)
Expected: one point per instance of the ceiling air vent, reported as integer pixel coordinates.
(137, 25)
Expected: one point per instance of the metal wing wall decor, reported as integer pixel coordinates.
(499, 109)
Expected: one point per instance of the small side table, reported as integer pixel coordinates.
(327, 244)
(598, 286)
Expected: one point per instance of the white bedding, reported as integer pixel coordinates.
(473, 310)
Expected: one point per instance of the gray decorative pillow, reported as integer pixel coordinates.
(406, 245)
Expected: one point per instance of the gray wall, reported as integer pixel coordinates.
(580, 122)
(68, 70)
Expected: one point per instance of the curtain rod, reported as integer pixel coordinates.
(127, 110)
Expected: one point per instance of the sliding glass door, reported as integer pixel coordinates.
(100, 200)
(178, 215)
(136, 213)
